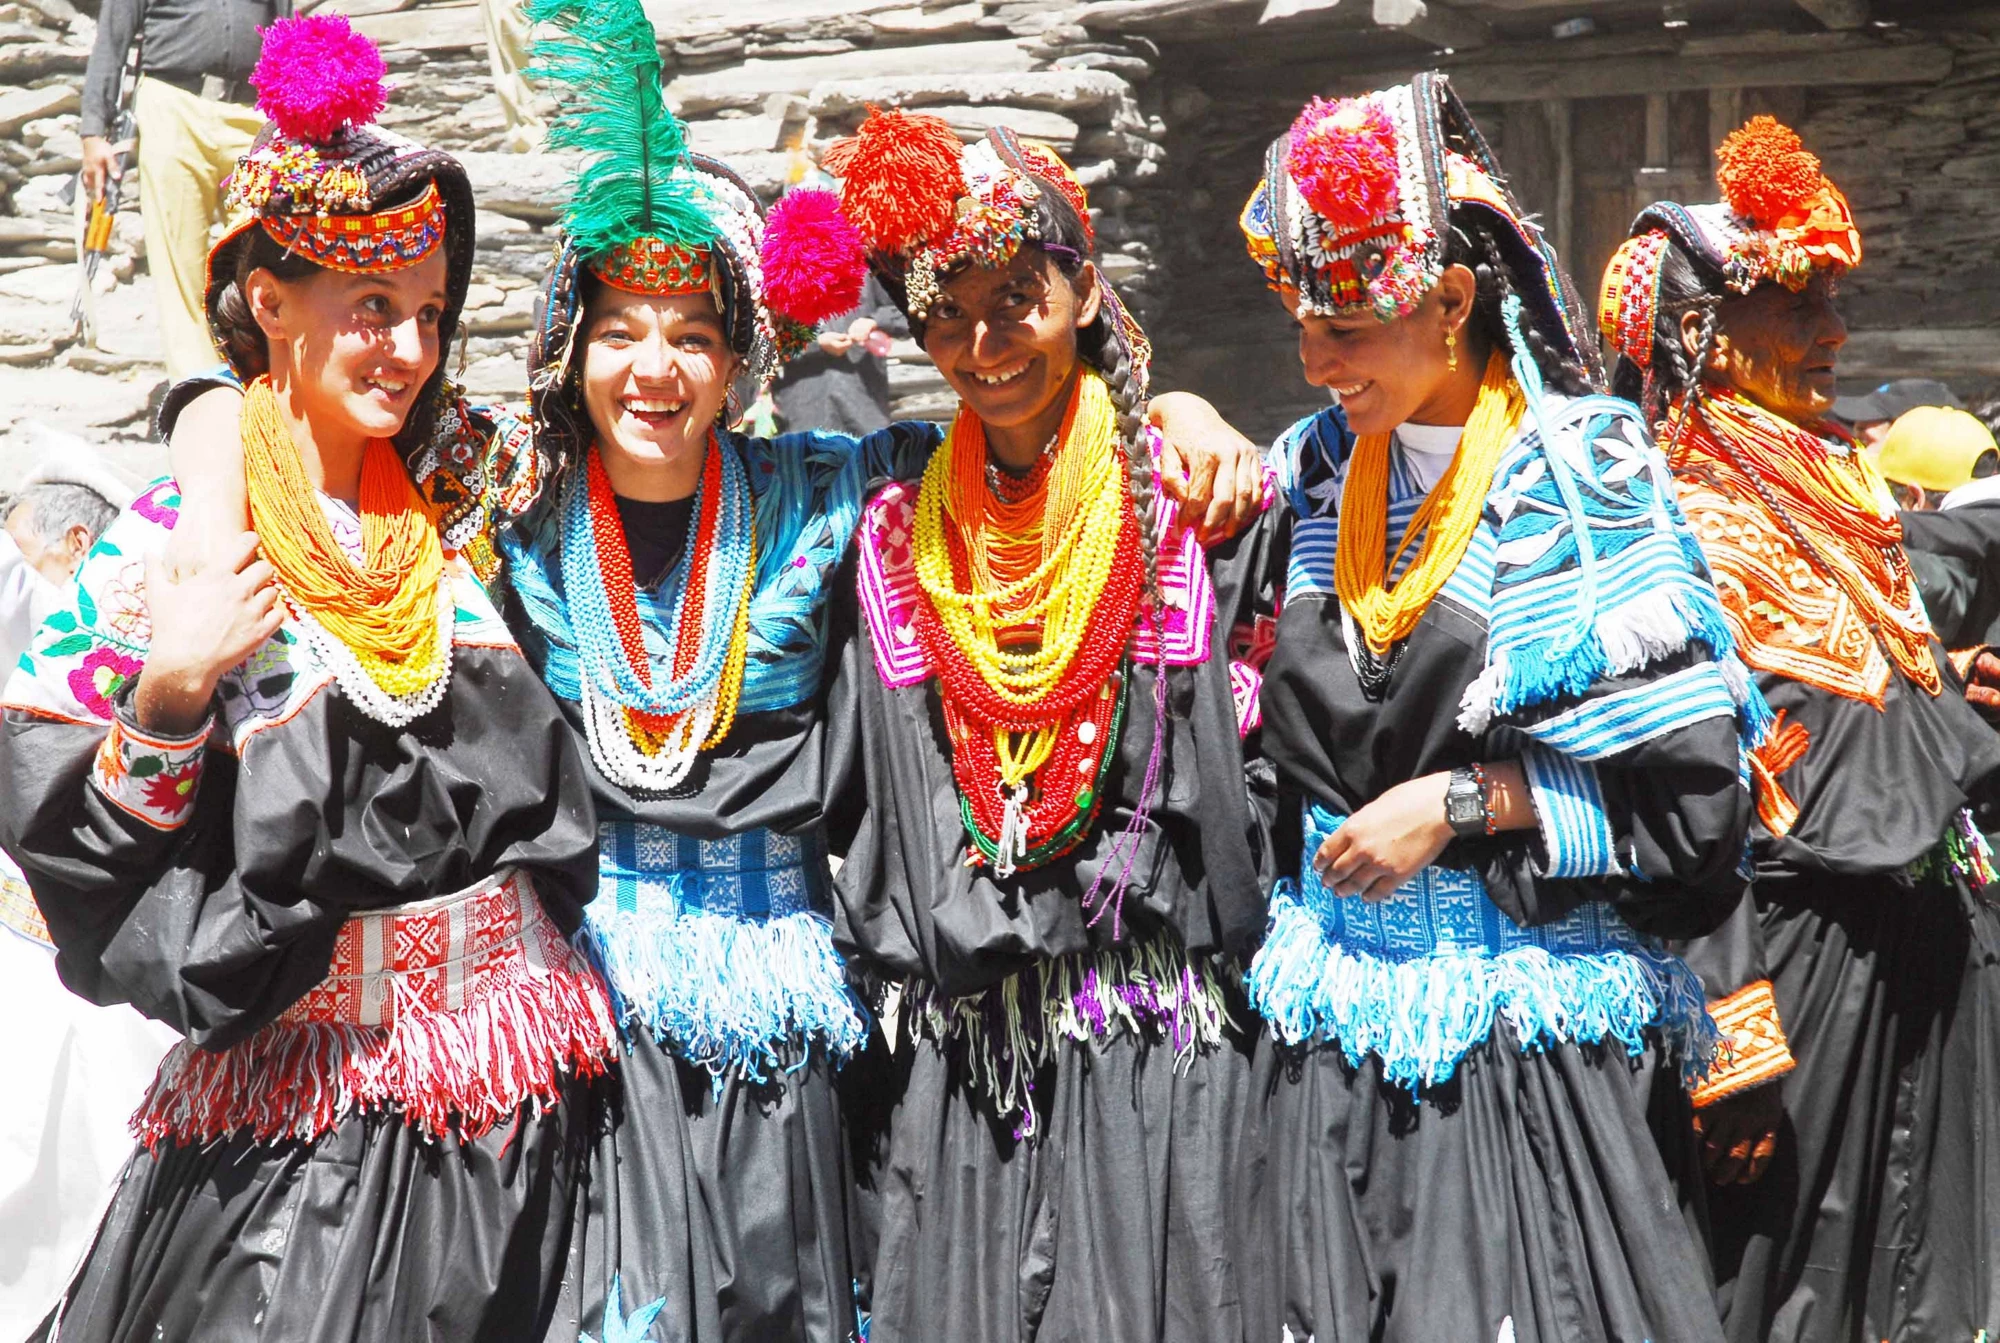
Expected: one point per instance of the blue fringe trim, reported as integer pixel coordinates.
(731, 995)
(1540, 672)
(1419, 1017)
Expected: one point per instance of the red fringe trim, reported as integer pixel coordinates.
(460, 1072)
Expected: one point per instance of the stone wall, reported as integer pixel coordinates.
(1162, 105)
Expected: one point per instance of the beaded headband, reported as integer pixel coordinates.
(1353, 213)
(657, 267)
(389, 240)
(1629, 299)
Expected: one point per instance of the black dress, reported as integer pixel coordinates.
(1476, 1113)
(1875, 1219)
(1069, 1149)
(723, 1196)
(378, 1124)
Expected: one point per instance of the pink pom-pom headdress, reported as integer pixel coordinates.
(319, 81)
(316, 77)
(813, 259)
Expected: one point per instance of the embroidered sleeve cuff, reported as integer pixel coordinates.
(152, 778)
(1569, 808)
(1754, 1049)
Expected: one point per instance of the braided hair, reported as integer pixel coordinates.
(1686, 286)
(1474, 244)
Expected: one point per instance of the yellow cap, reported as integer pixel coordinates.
(1934, 448)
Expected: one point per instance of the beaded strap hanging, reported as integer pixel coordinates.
(645, 735)
(1029, 598)
(384, 625)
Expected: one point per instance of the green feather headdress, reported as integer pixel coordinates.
(633, 181)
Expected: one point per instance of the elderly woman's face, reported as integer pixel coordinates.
(1781, 348)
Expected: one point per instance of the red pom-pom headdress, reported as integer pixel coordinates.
(1765, 171)
(1342, 156)
(900, 178)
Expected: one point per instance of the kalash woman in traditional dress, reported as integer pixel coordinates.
(1056, 854)
(1501, 703)
(333, 829)
(1858, 1209)
(671, 585)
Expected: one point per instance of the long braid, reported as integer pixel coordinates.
(1689, 378)
(1113, 361)
(1493, 276)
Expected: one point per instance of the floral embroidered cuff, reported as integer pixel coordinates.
(1754, 1049)
(1569, 806)
(151, 777)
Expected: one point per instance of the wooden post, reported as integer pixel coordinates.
(1725, 114)
(1558, 111)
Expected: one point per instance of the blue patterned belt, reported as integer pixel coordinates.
(1419, 979)
(758, 874)
(722, 949)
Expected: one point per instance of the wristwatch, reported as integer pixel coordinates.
(1465, 809)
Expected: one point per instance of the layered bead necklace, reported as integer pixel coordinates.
(383, 625)
(1030, 592)
(645, 735)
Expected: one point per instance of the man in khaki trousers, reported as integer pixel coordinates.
(192, 106)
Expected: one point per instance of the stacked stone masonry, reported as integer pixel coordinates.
(1162, 105)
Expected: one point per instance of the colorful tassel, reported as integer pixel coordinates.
(732, 995)
(317, 75)
(1343, 157)
(814, 260)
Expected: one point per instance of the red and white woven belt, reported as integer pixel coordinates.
(454, 1013)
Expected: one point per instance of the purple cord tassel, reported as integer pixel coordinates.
(1125, 847)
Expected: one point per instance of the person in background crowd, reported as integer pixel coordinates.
(841, 384)
(1931, 451)
(75, 1077)
(193, 110)
(508, 42)
(1870, 416)
(1848, 1133)
(51, 524)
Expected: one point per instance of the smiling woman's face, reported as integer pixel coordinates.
(1781, 348)
(1005, 339)
(656, 371)
(354, 349)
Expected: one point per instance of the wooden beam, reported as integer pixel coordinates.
(1430, 21)
(1809, 59)
(1838, 14)
(1560, 134)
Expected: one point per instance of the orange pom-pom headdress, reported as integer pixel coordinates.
(925, 205)
(1779, 221)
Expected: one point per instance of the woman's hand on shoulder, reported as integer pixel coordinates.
(1211, 470)
(207, 618)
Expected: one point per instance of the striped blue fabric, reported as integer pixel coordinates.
(1602, 727)
(1569, 806)
(758, 874)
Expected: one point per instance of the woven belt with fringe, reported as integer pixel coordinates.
(454, 1013)
(722, 949)
(1421, 978)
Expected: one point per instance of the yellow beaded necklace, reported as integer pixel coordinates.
(1446, 520)
(1038, 577)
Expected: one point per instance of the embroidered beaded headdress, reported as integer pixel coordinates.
(1779, 220)
(1353, 213)
(329, 185)
(646, 215)
(924, 206)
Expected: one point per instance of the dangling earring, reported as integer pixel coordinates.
(1451, 350)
